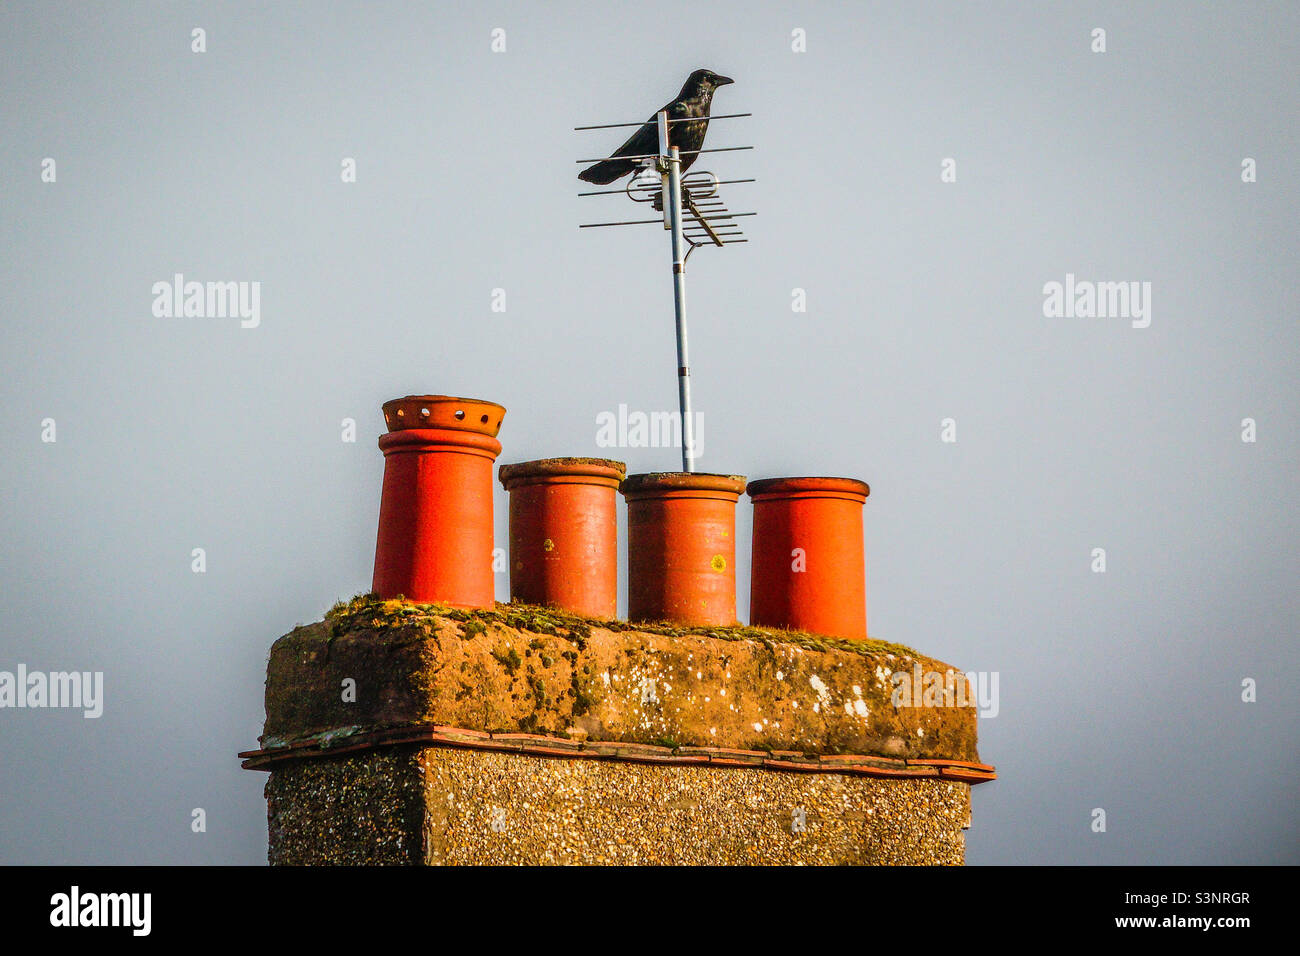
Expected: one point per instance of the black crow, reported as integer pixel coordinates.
(692, 101)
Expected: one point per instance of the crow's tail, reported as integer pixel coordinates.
(606, 171)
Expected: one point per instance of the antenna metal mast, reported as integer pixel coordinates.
(670, 169)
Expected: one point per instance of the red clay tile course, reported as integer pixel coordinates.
(461, 731)
(538, 745)
(951, 763)
(618, 748)
(549, 752)
(533, 674)
(832, 761)
(794, 765)
(464, 743)
(704, 752)
(531, 741)
(743, 758)
(967, 776)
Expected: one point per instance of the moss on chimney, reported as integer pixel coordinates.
(518, 668)
(368, 611)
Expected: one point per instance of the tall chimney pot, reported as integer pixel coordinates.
(435, 515)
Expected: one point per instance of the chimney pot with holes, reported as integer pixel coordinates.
(435, 514)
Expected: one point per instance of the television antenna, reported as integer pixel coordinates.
(695, 215)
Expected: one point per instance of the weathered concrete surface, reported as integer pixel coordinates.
(532, 670)
(427, 805)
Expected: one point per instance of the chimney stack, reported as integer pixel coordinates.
(489, 734)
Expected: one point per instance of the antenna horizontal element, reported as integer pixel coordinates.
(684, 119)
(684, 152)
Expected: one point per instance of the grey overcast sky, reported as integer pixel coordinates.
(925, 301)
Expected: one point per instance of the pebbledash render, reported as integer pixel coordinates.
(426, 724)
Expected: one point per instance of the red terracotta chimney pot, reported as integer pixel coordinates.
(681, 546)
(564, 533)
(435, 515)
(808, 571)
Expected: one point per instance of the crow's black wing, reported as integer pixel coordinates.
(644, 141)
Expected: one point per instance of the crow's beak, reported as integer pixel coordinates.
(722, 80)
